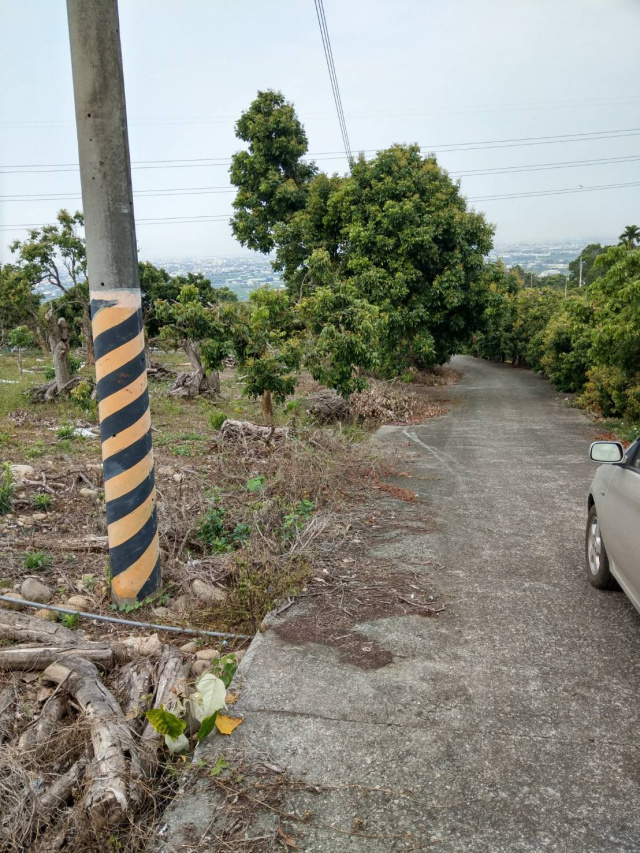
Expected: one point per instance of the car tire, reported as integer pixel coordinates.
(596, 559)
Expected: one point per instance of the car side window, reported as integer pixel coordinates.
(634, 461)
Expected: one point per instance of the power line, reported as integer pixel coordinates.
(197, 162)
(536, 167)
(177, 191)
(175, 220)
(216, 190)
(397, 113)
(328, 53)
(168, 220)
(554, 192)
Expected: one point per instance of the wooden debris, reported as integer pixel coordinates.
(246, 431)
(7, 702)
(112, 781)
(40, 657)
(21, 627)
(85, 543)
(134, 684)
(326, 406)
(35, 738)
(173, 671)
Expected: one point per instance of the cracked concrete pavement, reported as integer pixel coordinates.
(510, 722)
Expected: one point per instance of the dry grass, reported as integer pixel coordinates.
(289, 524)
(383, 403)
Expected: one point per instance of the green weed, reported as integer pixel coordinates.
(216, 532)
(41, 501)
(70, 620)
(65, 431)
(181, 450)
(216, 419)
(36, 560)
(36, 450)
(298, 518)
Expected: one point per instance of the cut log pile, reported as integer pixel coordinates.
(98, 691)
(245, 431)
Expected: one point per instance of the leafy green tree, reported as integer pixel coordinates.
(589, 269)
(630, 237)
(557, 281)
(494, 338)
(203, 332)
(397, 229)
(267, 339)
(534, 309)
(21, 338)
(344, 330)
(56, 255)
(614, 377)
(567, 343)
(157, 285)
(19, 304)
(271, 177)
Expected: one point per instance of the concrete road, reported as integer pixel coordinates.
(512, 721)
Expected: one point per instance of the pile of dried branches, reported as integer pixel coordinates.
(385, 404)
(246, 431)
(78, 759)
(326, 407)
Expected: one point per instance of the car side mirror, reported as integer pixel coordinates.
(606, 452)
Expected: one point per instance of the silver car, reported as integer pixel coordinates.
(614, 519)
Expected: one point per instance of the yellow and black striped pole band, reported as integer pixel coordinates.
(127, 455)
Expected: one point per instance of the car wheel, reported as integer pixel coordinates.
(596, 556)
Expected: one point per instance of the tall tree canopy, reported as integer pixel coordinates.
(630, 237)
(18, 301)
(56, 255)
(396, 230)
(271, 177)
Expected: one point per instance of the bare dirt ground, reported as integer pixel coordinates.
(244, 527)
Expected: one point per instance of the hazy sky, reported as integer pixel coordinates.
(436, 72)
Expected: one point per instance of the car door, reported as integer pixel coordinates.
(620, 522)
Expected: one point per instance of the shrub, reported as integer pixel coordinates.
(74, 364)
(82, 397)
(6, 489)
(605, 390)
(216, 419)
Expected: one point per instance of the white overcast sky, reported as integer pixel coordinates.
(436, 72)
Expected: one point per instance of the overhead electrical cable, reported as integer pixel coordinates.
(169, 220)
(391, 112)
(176, 220)
(221, 190)
(198, 162)
(566, 191)
(328, 53)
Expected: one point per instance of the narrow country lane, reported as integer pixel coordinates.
(510, 723)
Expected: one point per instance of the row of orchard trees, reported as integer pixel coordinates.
(588, 342)
(382, 269)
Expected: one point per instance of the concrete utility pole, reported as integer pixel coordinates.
(580, 282)
(112, 258)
